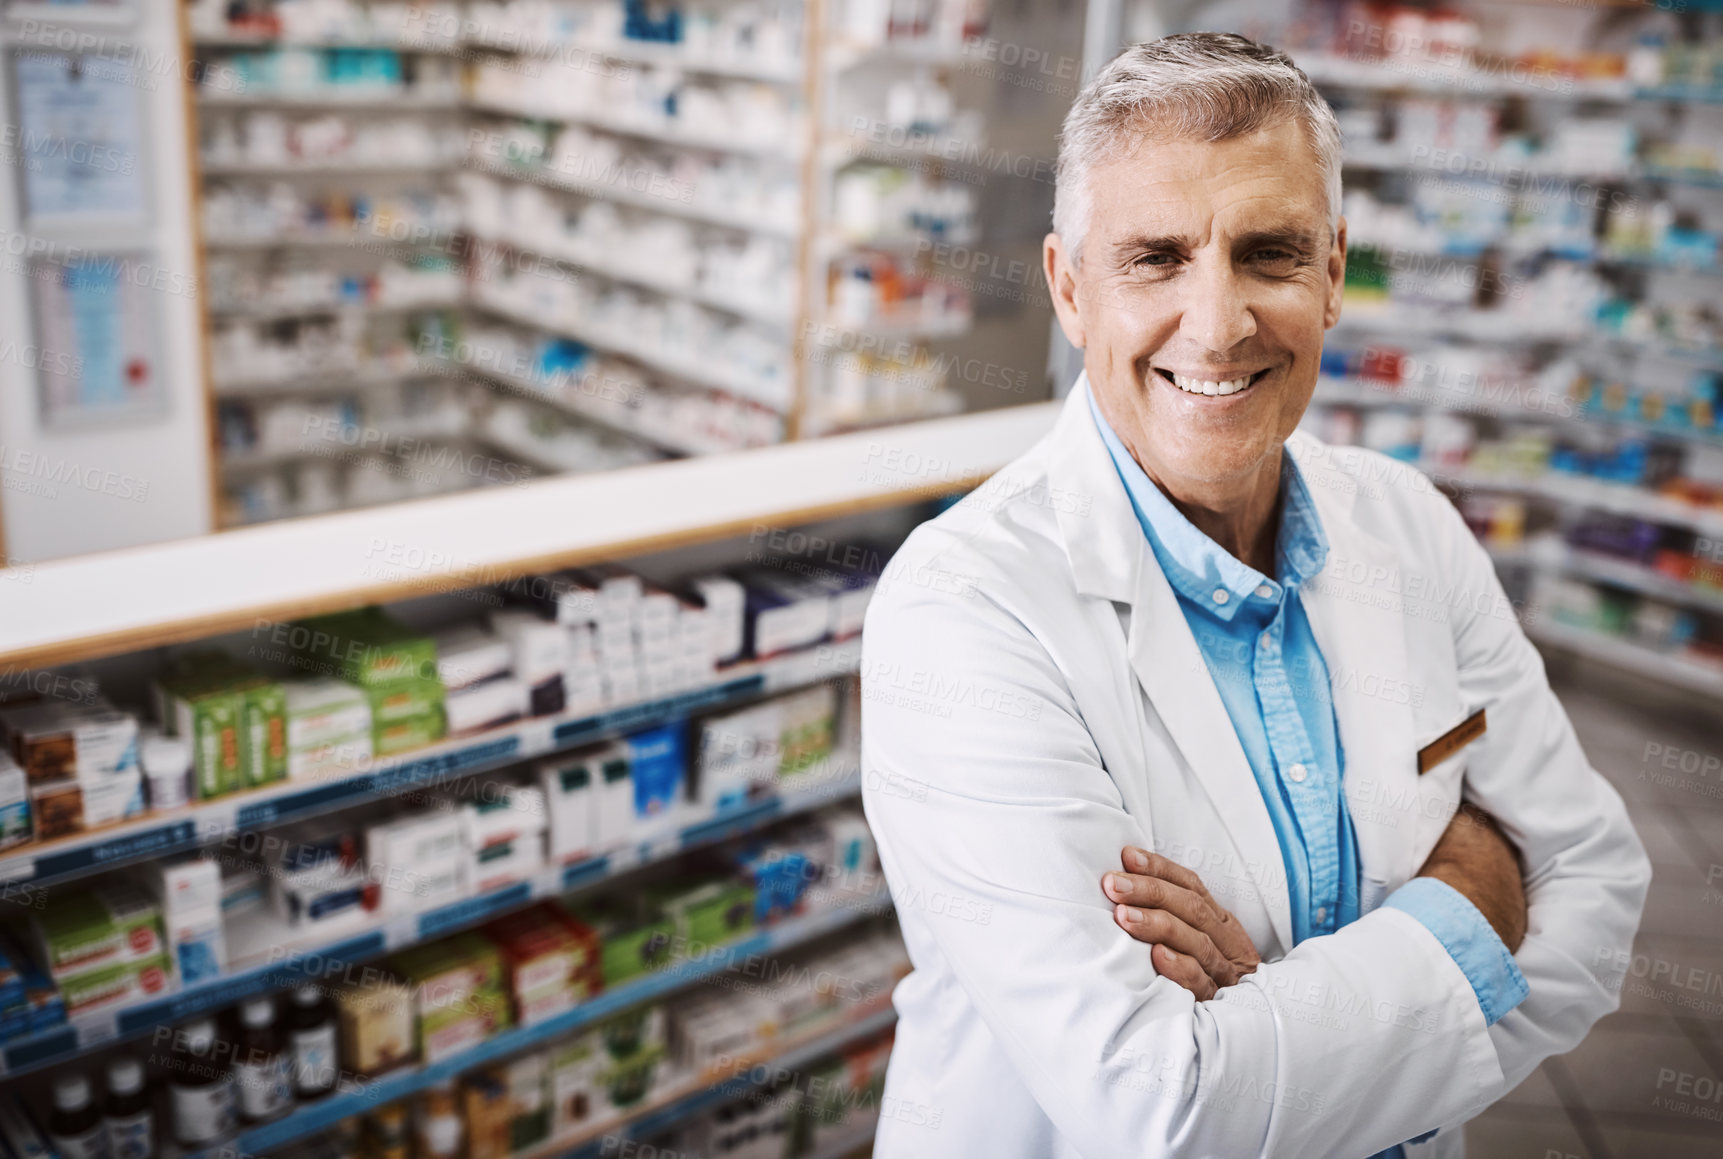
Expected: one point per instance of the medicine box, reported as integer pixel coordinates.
(479, 707)
(111, 924)
(52, 740)
(726, 613)
(449, 971)
(367, 647)
(784, 612)
(571, 808)
(528, 1080)
(325, 712)
(468, 654)
(118, 984)
(15, 826)
(377, 1032)
(658, 763)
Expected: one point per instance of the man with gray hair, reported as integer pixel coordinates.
(1228, 811)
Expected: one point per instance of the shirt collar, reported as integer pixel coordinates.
(1198, 567)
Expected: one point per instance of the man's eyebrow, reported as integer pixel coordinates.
(1143, 242)
(1291, 237)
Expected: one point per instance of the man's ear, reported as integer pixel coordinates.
(1062, 286)
(1336, 276)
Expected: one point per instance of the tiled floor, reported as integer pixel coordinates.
(1648, 1082)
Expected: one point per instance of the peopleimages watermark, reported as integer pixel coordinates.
(42, 474)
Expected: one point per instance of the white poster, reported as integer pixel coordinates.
(79, 139)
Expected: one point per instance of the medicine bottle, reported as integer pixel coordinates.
(311, 1034)
(200, 1088)
(439, 1124)
(127, 1116)
(261, 1067)
(75, 1126)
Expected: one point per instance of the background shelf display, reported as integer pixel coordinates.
(570, 99)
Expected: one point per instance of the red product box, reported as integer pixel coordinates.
(546, 953)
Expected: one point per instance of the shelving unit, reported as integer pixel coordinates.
(551, 99)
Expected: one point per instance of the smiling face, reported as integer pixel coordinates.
(1209, 274)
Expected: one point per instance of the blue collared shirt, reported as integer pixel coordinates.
(1269, 671)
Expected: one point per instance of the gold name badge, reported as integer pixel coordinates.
(1451, 742)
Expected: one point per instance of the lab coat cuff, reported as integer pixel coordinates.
(1469, 939)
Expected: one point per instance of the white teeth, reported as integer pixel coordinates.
(1206, 386)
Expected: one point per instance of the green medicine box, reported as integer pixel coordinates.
(365, 647)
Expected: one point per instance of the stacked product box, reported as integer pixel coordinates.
(459, 994)
(607, 1071)
(328, 728)
(188, 893)
(416, 860)
(378, 1032)
(538, 653)
(394, 666)
(29, 1001)
(316, 879)
(630, 640)
(550, 961)
(14, 803)
(502, 833)
(234, 718)
(744, 753)
(481, 690)
(79, 762)
(602, 798)
(102, 946)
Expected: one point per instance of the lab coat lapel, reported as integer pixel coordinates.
(1110, 557)
(1357, 617)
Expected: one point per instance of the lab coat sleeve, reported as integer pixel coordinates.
(995, 821)
(1586, 871)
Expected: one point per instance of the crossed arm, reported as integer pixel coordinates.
(1197, 943)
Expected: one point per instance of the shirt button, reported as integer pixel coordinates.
(1221, 596)
(1264, 590)
(1264, 641)
(1297, 772)
(1321, 913)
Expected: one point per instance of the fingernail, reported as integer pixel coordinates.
(1136, 859)
(1119, 883)
(1133, 914)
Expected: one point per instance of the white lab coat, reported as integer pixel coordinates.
(1033, 700)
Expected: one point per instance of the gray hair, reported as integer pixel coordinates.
(1210, 86)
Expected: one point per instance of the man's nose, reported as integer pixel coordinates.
(1217, 309)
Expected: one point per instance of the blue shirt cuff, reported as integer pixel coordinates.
(1469, 939)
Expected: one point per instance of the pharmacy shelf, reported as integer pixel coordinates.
(351, 166)
(192, 589)
(1370, 395)
(649, 53)
(779, 146)
(843, 56)
(322, 239)
(399, 1084)
(325, 382)
(699, 371)
(280, 958)
(1474, 325)
(1506, 168)
(1559, 559)
(1665, 667)
(268, 312)
(185, 829)
(381, 100)
(727, 301)
(244, 462)
(1429, 77)
(711, 212)
(231, 38)
(1596, 494)
(569, 397)
(697, 1095)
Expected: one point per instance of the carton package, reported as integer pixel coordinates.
(712, 912)
(468, 654)
(119, 984)
(369, 648)
(478, 707)
(603, 1074)
(417, 860)
(550, 960)
(234, 718)
(459, 1000)
(634, 937)
(412, 733)
(503, 862)
(377, 1032)
(784, 612)
(111, 924)
(489, 1114)
(658, 764)
(52, 740)
(189, 896)
(61, 808)
(318, 881)
(328, 726)
(540, 651)
(725, 601)
(29, 1000)
(528, 1080)
(570, 806)
(15, 824)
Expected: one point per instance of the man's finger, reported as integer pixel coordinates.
(1184, 970)
(1154, 865)
(1157, 893)
(1162, 928)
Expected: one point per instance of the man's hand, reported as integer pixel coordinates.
(1194, 940)
(1476, 858)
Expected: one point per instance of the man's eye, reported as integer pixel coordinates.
(1156, 260)
(1275, 257)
